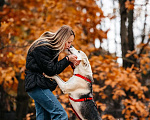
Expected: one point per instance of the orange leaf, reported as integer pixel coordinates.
(108, 82)
(144, 72)
(103, 107)
(4, 26)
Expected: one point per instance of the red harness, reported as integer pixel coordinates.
(82, 99)
(85, 78)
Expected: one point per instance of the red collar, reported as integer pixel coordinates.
(80, 100)
(85, 78)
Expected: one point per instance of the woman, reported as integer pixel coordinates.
(42, 58)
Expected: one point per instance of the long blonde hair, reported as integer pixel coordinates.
(54, 41)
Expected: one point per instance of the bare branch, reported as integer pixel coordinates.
(143, 35)
(143, 47)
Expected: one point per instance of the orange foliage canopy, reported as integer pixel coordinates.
(23, 21)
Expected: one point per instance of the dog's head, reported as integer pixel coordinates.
(84, 68)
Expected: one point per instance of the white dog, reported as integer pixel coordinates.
(79, 88)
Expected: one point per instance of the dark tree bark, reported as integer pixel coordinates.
(130, 37)
(126, 33)
(130, 30)
(2, 2)
(22, 100)
(2, 103)
(123, 30)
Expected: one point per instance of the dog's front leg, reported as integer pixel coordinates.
(60, 82)
(66, 87)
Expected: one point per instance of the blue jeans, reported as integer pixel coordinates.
(47, 106)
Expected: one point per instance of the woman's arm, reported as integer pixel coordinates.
(44, 58)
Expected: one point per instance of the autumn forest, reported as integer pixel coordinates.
(120, 91)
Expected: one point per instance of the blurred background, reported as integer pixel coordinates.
(114, 34)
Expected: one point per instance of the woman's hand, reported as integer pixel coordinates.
(73, 59)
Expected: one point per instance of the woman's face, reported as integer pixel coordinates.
(69, 42)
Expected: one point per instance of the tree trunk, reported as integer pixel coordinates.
(22, 100)
(123, 30)
(130, 38)
(2, 103)
(127, 39)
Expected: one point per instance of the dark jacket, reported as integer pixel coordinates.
(39, 61)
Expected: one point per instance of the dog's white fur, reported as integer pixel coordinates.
(77, 87)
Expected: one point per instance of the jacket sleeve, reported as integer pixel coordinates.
(44, 56)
